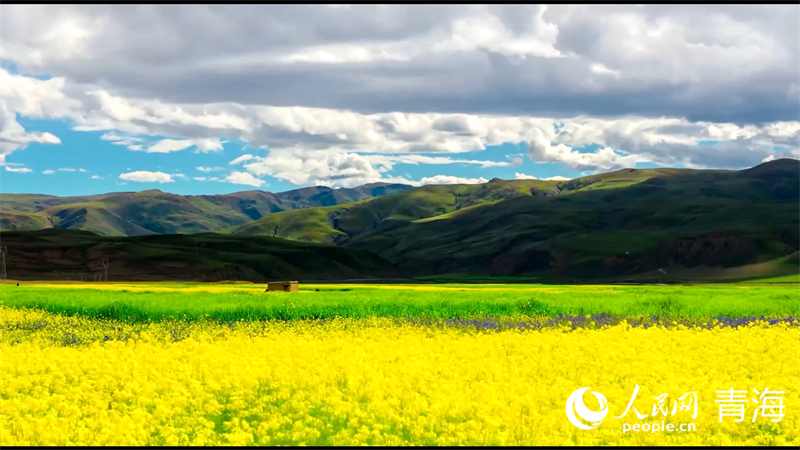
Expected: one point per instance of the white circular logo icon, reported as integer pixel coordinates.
(577, 409)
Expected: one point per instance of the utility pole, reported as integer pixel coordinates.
(3, 253)
(105, 268)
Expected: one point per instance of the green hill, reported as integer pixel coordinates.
(343, 222)
(59, 254)
(157, 212)
(678, 221)
(635, 225)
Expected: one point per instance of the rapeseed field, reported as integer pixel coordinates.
(89, 378)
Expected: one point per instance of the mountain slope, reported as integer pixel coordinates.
(679, 219)
(61, 253)
(157, 212)
(343, 222)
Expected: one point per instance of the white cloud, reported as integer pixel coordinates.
(81, 170)
(631, 54)
(316, 167)
(241, 159)
(484, 59)
(522, 176)
(206, 178)
(18, 169)
(97, 177)
(143, 176)
(243, 178)
(600, 69)
(48, 172)
(178, 175)
(447, 179)
(175, 145)
(13, 136)
(208, 145)
(169, 145)
(66, 169)
(541, 149)
(208, 169)
(388, 161)
(132, 142)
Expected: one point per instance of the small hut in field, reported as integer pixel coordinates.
(282, 286)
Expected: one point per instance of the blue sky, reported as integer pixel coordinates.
(128, 99)
(104, 162)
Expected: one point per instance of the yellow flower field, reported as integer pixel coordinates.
(378, 381)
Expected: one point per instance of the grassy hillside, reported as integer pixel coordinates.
(426, 203)
(59, 254)
(340, 223)
(678, 221)
(157, 212)
(635, 225)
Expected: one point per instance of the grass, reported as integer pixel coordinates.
(456, 278)
(141, 302)
(305, 225)
(785, 279)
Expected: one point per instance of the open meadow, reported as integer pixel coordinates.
(447, 364)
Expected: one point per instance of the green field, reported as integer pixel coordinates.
(163, 301)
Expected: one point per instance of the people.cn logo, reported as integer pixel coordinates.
(577, 409)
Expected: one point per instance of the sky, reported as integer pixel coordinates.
(206, 99)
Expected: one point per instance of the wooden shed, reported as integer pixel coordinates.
(282, 286)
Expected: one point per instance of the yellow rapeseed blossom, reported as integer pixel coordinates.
(79, 381)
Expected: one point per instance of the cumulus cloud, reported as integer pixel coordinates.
(97, 177)
(14, 137)
(351, 92)
(388, 161)
(542, 149)
(144, 176)
(301, 140)
(243, 178)
(48, 172)
(174, 145)
(448, 179)
(738, 63)
(315, 167)
(522, 176)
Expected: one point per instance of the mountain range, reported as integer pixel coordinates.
(157, 212)
(630, 224)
